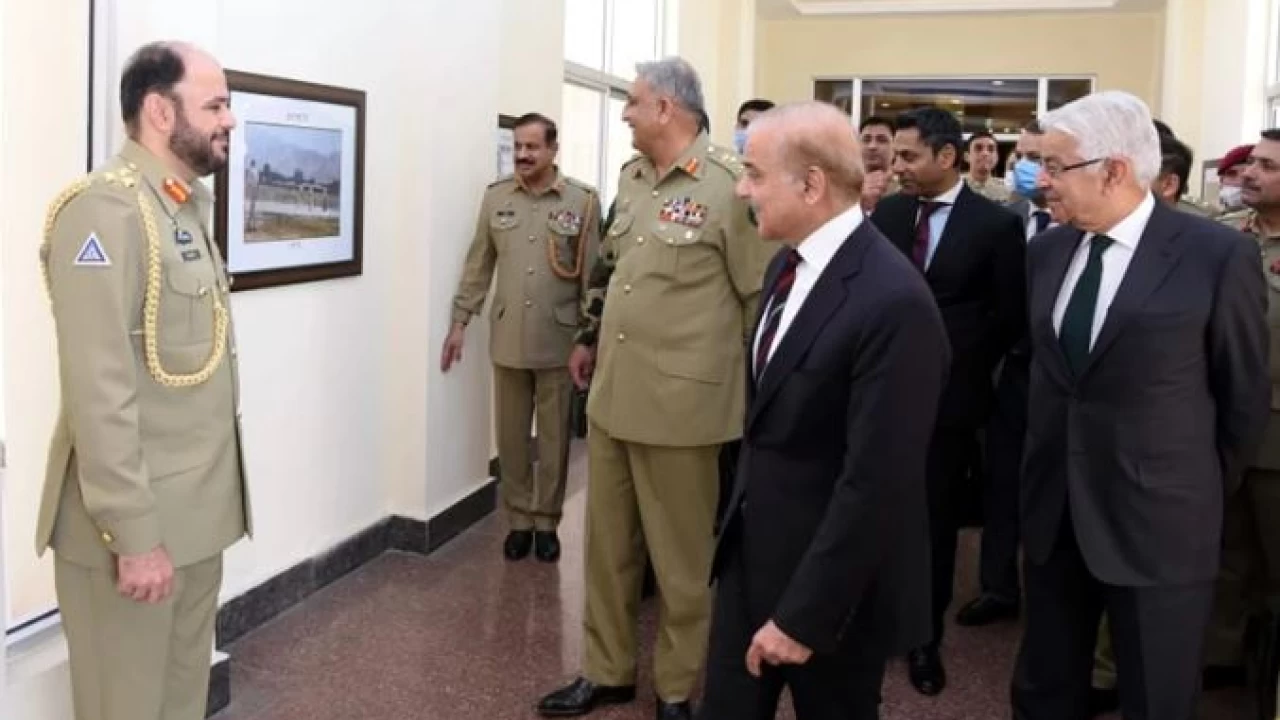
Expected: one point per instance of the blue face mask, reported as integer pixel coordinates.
(740, 140)
(1025, 173)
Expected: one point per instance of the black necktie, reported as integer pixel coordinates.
(1076, 333)
(1042, 220)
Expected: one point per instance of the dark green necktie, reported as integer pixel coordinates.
(1076, 332)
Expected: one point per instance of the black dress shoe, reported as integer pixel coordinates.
(924, 667)
(985, 610)
(675, 711)
(1219, 677)
(518, 544)
(546, 545)
(582, 696)
(1103, 701)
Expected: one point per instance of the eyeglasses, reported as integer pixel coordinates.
(1055, 170)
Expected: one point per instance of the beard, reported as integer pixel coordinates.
(195, 150)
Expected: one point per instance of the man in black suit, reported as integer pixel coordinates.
(822, 561)
(1149, 393)
(972, 253)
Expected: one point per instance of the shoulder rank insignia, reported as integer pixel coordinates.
(92, 254)
(691, 165)
(176, 190)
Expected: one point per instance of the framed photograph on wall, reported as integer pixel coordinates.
(506, 145)
(1209, 184)
(290, 203)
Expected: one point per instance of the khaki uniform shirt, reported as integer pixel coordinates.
(146, 450)
(542, 248)
(992, 189)
(1195, 208)
(1269, 252)
(672, 301)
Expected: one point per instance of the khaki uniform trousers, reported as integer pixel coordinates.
(663, 498)
(533, 500)
(135, 661)
(1248, 580)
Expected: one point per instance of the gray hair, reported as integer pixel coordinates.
(1111, 124)
(675, 77)
(816, 134)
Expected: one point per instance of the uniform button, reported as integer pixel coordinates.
(528, 303)
(530, 271)
(655, 193)
(202, 291)
(639, 241)
(532, 238)
(671, 241)
(107, 537)
(622, 337)
(626, 288)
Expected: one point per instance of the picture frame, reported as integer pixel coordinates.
(506, 146)
(290, 202)
(1209, 184)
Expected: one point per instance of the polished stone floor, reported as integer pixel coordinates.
(463, 635)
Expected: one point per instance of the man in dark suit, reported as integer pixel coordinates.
(1149, 393)
(822, 561)
(972, 253)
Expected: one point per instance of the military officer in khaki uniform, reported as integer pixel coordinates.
(145, 484)
(668, 311)
(1249, 581)
(539, 231)
(876, 135)
(982, 152)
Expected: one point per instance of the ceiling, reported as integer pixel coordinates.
(854, 8)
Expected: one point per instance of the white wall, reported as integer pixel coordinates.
(1214, 75)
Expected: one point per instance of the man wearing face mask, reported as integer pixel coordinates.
(1028, 202)
(749, 111)
(537, 231)
(1248, 584)
(1230, 171)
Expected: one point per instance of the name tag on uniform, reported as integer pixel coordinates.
(190, 255)
(182, 237)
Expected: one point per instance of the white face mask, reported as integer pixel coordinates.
(1229, 198)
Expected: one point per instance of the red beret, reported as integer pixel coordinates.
(1234, 157)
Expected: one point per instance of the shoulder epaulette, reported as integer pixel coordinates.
(579, 184)
(726, 159)
(633, 159)
(501, 180)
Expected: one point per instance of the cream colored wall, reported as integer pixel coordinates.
(1121, 49)
(718, 38)
(531, 57)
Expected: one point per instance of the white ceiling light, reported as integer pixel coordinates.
(885, 7)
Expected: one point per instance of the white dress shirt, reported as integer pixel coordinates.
(1031, 222)
(938, 220)
(1115, 262)
(815, 254)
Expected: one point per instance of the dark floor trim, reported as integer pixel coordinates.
(263, 603)
(219, 686)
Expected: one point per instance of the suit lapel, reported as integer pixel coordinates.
(1157, 253)
(952, 232)
(1046, 296)
(827, 295)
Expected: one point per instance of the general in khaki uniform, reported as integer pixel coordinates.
(541, 246)
(146, 451)
(670, 303)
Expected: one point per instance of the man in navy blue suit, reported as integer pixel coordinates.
(823, 557)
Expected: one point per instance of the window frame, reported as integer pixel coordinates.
(610, 85)
(1042, 88)
(1271, 96)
